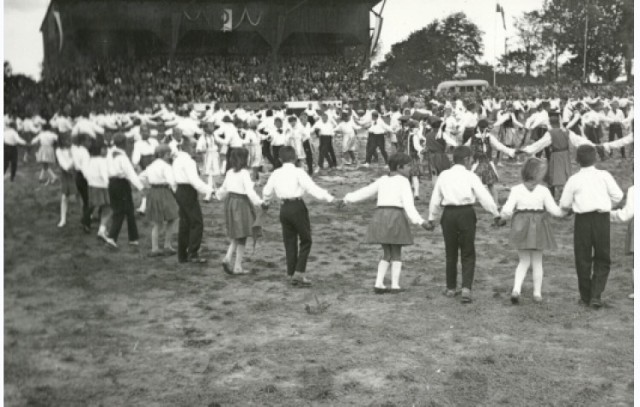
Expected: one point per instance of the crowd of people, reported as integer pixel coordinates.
(164, 152)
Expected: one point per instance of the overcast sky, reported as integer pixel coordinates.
(23, 42)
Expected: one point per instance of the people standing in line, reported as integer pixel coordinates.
(389, 226)
(590, 194)
(531, 231)
(288, 184)
(457, 190)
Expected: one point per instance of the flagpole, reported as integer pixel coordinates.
(495, 54)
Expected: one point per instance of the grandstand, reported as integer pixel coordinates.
(89, 30)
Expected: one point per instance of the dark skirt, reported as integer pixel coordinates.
(98, 197)
(389, 225)
(530, 230)
(559, 169)
(161, 204)
(629, 241)
(68, 183)
(239, 216)
(485, 171)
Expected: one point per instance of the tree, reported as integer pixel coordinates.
(609, 34)
(529, 28)
(434, 53)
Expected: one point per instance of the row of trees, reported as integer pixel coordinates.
(550, 45)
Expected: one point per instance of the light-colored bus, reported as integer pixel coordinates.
(463, 86)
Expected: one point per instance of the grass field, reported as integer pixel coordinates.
(88, 326)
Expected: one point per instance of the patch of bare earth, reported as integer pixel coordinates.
(88, 326)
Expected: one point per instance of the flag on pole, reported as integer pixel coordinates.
(227, 20)
(500, 9)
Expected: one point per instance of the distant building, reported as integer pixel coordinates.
(83, 30)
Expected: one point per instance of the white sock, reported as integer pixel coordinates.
(239, 255)
(521, 270)
(396, 268)
(102, 229)
(230, 251)
(143, 204)
(383, 266)
(538, 272)
(416, 186)
(64, 204)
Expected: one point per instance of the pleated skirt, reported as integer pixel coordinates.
(389, 225)
(530, 230)
(161, 204)
(98, 197)
(46, 154)
(239, 216)
(559, 169)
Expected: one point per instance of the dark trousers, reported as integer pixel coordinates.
(459, 230)
(368, 147)
(594, 134)
(327, 152)
(377, 141)
(83, 190)
(11, 159)
(276, 156)
(294, 218)
(615, 132)
(190, 226)
(467, 133)
(266, 151)
(122, 207)
(306, 145)
(591, 248)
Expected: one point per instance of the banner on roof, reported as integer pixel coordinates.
(227, 19)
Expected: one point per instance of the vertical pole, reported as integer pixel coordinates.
(495, 33)
(586, 29)
(505, 52)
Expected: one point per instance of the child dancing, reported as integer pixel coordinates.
(389, 225)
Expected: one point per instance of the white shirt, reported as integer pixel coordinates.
(46, 138)
(231, 135)
(615, 117)
(207, 143)
(545, 141)
(277, 136)
(143, 148)
(159, 172)
(65, 160)
(590, 190)
(185, 171)
(288, 182)
(80, 156)
(378, 126)
(120, 167)
(96, 172)
(538, 119)
(294, 138)
(592, 118)
(12, 138)
(87, 127)
(238, 183)
(30, 126)
(324, 129)
(459, 186)
(625, 214)
(522, 199)
(391, 191)
(468, 120)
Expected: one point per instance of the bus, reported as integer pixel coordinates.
(463, 86)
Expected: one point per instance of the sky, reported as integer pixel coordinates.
(23, 41)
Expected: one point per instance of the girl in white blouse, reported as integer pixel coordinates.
(239, 201)
(46, 154)
(161, 203)
(389, 226)
(67, 177)
(531, 233)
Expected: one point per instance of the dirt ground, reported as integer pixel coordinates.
(88, 326)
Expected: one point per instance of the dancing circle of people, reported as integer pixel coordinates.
(102, 156)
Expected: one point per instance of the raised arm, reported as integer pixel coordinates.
(500, 147)
(363, 193)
